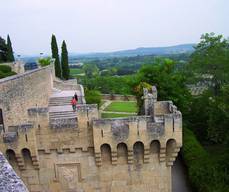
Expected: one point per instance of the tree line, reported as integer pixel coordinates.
(206, 152)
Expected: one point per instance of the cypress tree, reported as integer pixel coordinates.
(10, 55)
(3, 50)
(55, 55)
(64, 61)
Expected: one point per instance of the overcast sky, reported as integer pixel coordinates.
(107, 25)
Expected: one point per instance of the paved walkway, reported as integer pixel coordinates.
(107, 102)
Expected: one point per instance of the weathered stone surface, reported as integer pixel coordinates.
(1, 128)
(10, 137)
(120, 130)
(63, 123)
(21, 128)
(155, 129)
(37, 111)
(9, 181)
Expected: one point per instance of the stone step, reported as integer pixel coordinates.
(56, 98)
(62, 99)
(56, 112)
(62, 113)
(62, 116)
(67, 115)
(61, 104)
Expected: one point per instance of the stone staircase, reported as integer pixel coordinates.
(61, 114)
(59, 101)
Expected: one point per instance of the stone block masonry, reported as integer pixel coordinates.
(55, 149)
(23, 91)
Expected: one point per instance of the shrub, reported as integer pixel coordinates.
(44, 61)
(5, 68)
(3, 75)
(204, 174)
(93, 97)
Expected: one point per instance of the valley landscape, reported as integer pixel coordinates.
(150, 119)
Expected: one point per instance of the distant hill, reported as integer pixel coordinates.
(142, 51)
(177, 49)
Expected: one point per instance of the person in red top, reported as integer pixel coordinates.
(73, 102)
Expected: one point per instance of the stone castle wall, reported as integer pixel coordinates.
(129, 154)
(23, 91)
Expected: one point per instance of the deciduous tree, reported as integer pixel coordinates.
(211, 57)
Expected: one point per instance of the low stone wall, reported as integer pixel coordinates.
(118, 97)
(9, 181)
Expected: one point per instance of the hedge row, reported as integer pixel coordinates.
(204, 174)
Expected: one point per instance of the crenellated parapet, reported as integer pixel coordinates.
(163, 127)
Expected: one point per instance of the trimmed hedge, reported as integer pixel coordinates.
(204, 174)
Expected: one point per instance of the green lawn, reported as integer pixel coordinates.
(114, 115)
(122, 106)
(76, 71)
